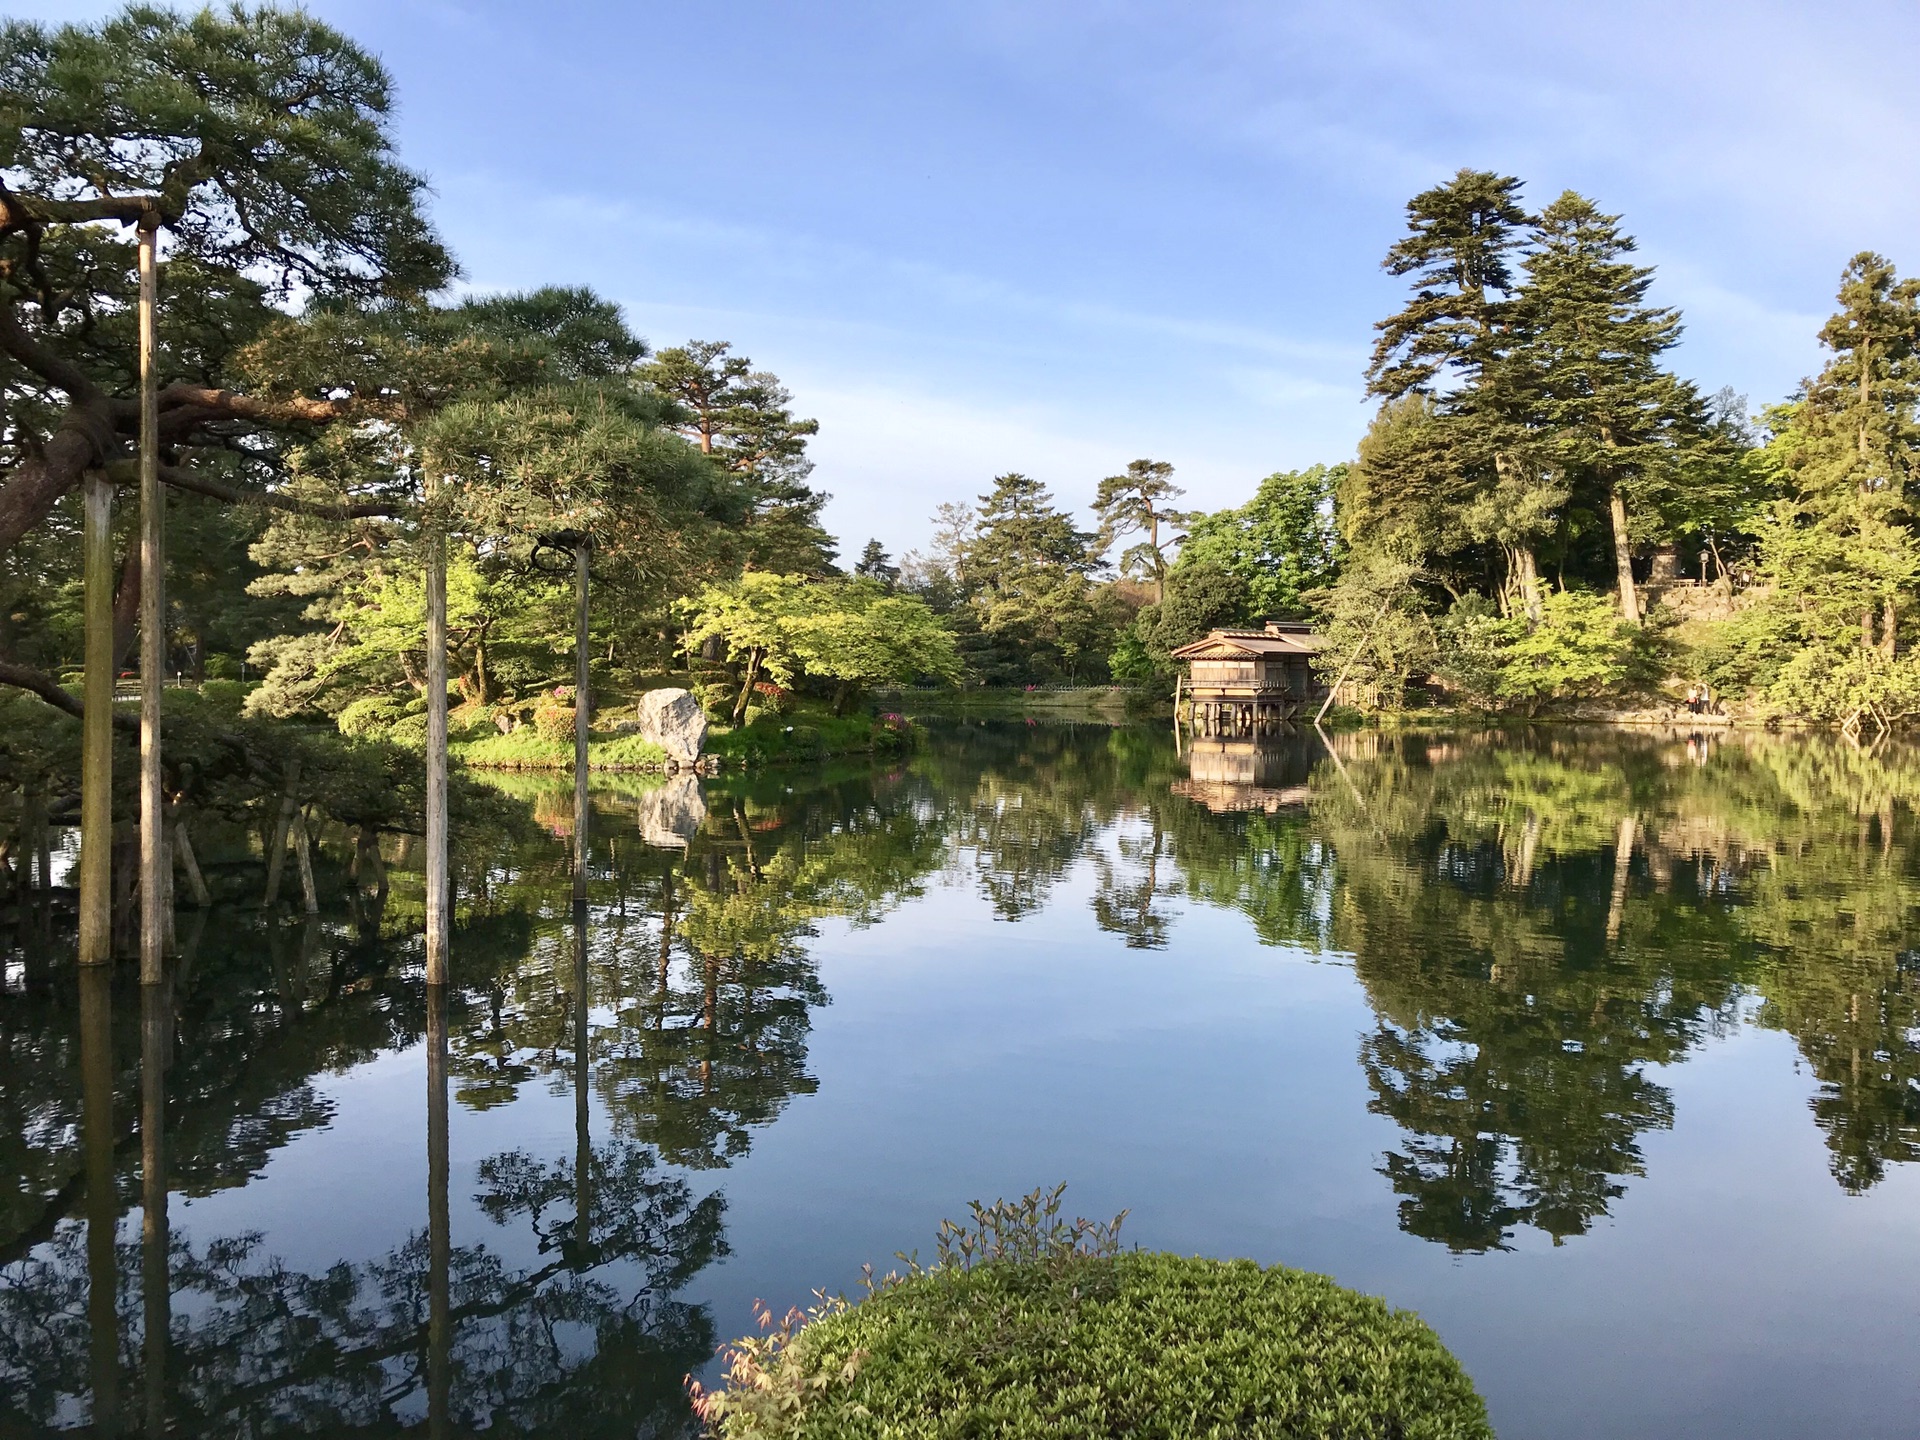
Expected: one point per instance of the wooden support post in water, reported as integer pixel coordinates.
(156, 1048)
(96, 732)
(439, 1223)
(439, 912)
(303, 854)
(582, 718)
(103, 1203)
(582, 1061)
(156, 893)
(283, 823)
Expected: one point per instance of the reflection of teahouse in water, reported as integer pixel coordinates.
(1230, 775)
(1241, 680)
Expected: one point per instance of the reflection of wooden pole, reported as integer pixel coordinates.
(1622, 859)
(156, 1046)
(582, 1061)
(156, 874)
(439, 1226)
(438, 910)
(96, 741)
(103, 1205)
(582, 718)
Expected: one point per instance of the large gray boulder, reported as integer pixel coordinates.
(672, 815)
(673, 720)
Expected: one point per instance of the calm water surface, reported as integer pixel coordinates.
(1602, 1053)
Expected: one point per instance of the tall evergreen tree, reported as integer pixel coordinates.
(1612, 417)
(1456, 342)
(876, 564)
(1135, 504)
(1028, 569)
(1843, 539)
(744, 419)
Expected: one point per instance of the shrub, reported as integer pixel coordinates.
(225, 695)
(1474, 640)
(371, 715)
(553, 722)
(1581, 647)
(1028, 1327)
(409, 730)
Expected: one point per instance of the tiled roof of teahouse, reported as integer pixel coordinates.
(1232, 644)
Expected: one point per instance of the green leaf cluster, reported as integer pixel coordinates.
(779, 629)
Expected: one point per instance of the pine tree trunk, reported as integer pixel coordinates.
(1623, 559)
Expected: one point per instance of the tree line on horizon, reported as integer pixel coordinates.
(1533, 481)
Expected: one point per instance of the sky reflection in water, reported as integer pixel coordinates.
(1602, 1052)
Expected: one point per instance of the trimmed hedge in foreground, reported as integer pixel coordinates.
(1135, 1344)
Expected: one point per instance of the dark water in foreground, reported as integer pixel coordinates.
(1601, 1053)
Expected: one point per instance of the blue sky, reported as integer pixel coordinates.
(1056, 237)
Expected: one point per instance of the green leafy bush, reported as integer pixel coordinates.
(1029, 1327)
(371, 715)
(1580, 648)
(409, 731)
(553, 722)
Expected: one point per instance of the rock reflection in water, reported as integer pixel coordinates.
(672, 814)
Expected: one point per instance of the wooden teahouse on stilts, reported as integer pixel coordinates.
(1241, 681)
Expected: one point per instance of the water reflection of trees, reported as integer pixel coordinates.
(578, 1345)
(681, 996)
(1541, 920)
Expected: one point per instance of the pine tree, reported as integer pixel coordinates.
(1844, 538)
(1476, 457)
(743, 418)
(1134, 504)
(1027, 568)
(1611, 416)
(876, 564)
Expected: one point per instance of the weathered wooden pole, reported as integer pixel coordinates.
(439, 1225)
(156, 874)
(438, 910)
(156, 1049)
(103, 1202)
(582, 1063)
(96, 732)
(582, 718)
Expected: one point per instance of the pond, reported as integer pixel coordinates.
(1600, 1051)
